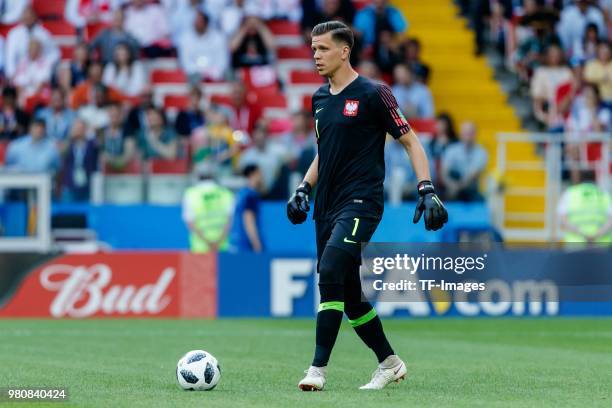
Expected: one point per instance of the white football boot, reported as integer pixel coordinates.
(392, 369)
(314, 380)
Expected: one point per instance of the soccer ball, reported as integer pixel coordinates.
(198, 370)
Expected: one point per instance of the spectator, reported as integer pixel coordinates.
(182, 16)
(118, 148)
(125, 72)
(244, 233)
(191, 118)
(413, 98)
(369, 70)
(149, 24)
(106, 41)
(33, 153)
(588, 48)
(444, 137)
(33, 71)
(1, 61)
(207, 212)
(203, 51)
(462, 165)
(232, 16)
(588, 114)
(585, 211)
(574, 20)
(244, 113)
(95, 114)
(78, 64)
(386, 52)
(58, 117)
(340, 10)
(81, 13)
(298, 138)
(267, 156)
(373, 18)
(137, 116)
(80, 162)
(84, 93)
(544, 85)
(13, 120)
(532, 48)
(599, 72)
(12, 10)
(411, 50)
(62, 79)
(252, 45)
(18, 40)
(156, 141)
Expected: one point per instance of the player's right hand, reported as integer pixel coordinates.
(298, 206)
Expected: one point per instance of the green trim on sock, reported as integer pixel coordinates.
(363, 319)
(339, 306)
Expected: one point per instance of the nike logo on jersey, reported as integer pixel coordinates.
(349, 241)
(319, 110)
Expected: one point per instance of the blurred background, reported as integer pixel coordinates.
(184, 125)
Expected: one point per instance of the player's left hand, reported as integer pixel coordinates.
(298, 206)
(429, 203)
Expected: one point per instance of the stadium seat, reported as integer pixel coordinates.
(272, 100)
(423, 125)
(59, 28)
(93, 29)
(66, 51)
(260, 79)
(168, 77)
(133, 167)
(4, 29)
(3, 146)
(279, 126)
(221, 99)
(176, 101)
(300, 53)
(305, 77)
(283, 27)
(307, 102)
(160, 166)
(49, 9)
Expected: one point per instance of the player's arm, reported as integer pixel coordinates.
(417, 155)
(298, 205)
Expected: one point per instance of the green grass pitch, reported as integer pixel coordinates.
(451, 362)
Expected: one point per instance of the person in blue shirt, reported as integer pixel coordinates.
(244, 234)
(370, 20)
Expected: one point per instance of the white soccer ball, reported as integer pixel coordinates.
(198, 370)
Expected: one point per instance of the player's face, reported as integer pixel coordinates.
(329, 55)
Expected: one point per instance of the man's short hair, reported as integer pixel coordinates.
(249, 169)
(39, 122)
(340, 32)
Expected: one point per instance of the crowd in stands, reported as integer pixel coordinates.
(561, 51)
(115, 85)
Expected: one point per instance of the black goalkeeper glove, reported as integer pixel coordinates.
(429, 203)
(297, 206)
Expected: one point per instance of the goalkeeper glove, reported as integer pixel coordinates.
(429, 203)
(297, 206)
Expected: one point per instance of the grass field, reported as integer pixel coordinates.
(460, 362)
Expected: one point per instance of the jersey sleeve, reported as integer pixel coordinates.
(388, 113)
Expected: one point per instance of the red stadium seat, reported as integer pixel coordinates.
(160, 166)
(272, 101)
(221, 99)
(307, 102)
(168, 77)
(59, 27)
(176, 101)
(4, 29)
(294, 53)
(359, 4)
(49, 9)
(284, 27)
(305, 77)
(423, 125)
(280, 125)
(67, 52)
(260, 79)
(93, 29)
(3, 147)
(133, 167)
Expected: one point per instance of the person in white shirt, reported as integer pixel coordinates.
(33, 70)
(150, 25)
(12, 10)
(124, 72)
(574, 20)
(182, 15)
(80, 13)
(19, 37)
(203, 51)
(232, 16)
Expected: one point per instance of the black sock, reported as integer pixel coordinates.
(373, 336)
(328, 325)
